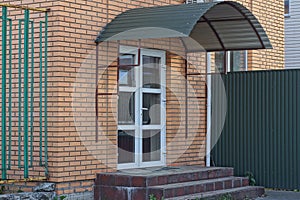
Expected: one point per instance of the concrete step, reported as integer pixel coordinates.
(131, 178)
(240, 193)
(192, 187)
(187, 182)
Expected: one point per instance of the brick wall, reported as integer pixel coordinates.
(74, 156)
(270, 15)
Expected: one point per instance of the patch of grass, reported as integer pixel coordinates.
(60, 198)
(225, 197)
(153, 197)
(251, 178)
(2, 189)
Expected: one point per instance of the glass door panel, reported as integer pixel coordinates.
(151, 72)
(126, 108)
(126, 147)
(151, 145)
(126, 72)
(151, 109)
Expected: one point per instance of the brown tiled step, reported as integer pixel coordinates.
(241, 193)
(192, 187)
(190, 173)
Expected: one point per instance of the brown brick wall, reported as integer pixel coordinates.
(270, 15)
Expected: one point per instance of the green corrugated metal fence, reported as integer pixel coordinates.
(261, 132)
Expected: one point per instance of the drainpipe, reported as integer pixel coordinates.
(208, 111)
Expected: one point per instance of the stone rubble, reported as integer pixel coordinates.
(44, 191)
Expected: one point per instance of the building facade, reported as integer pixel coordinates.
(75, 155)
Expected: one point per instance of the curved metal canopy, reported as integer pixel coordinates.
(218, 26)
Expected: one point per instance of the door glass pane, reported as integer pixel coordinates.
(126, 108)
(151, 72)
(151, 145)
(151, 109)
(219, 61)
(126, 73)
(237, 61)
(126, 147)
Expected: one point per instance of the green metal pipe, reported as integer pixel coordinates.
(4, 43)
(24, 7)
(19, 91)
(41, 93)
(31, 95)
(45, 56)
(46, 94)
(26, 51)
(10, 95)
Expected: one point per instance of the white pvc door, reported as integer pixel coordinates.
(141, 108)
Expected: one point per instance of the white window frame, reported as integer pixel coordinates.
(229, 60)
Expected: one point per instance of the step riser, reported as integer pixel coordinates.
(139, 181)
(206, 187)
(238, 194)
(122, 193)
(116, 192)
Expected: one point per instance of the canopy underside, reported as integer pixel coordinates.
(218, 26)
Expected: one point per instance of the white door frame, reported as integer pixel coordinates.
(139, 90)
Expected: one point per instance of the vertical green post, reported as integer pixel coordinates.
(26, 41)
(4, 43)
(41, 93)
(46, 93)
(10, 95)
(31, 94)
(19, 91)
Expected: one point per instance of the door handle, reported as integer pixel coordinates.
(145, 109)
